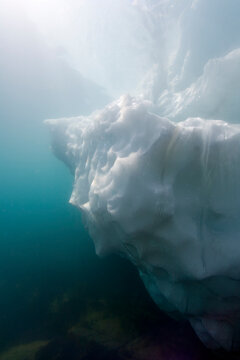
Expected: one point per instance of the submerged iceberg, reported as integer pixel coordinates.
(166, 196)
(157, 181)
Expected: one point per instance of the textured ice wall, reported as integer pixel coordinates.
(157, 181)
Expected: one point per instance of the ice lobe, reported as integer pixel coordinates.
(166, 196)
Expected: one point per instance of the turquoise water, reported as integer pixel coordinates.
(43, 246)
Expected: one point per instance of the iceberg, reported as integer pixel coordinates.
(157, 174)
(164, 195)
